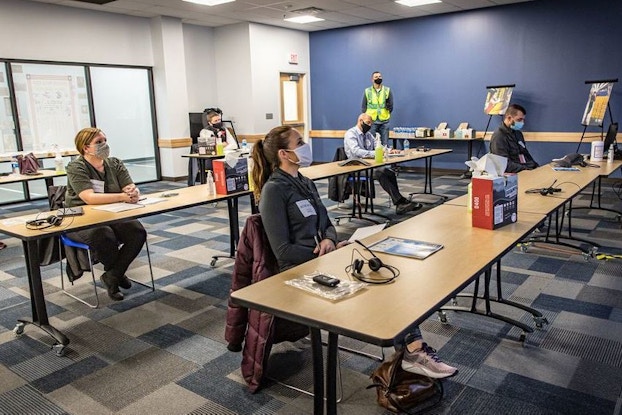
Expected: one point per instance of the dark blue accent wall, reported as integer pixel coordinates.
(439, 66)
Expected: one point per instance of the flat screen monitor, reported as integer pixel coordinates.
(610, 138)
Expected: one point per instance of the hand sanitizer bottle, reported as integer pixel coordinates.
(611, 154)
(379, 151)
(211, 186)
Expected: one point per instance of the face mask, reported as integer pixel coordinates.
(378, 81)
(365, 128)
(305, 157)
(518, 125)
(102, 150)
(217, 125)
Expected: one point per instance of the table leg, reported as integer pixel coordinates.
(318, 371)
(37, 299)
(202, 176)
(234, 229)
(331, 374)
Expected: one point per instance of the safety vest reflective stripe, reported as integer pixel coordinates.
(376, 103)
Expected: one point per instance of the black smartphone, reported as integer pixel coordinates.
(326, 280)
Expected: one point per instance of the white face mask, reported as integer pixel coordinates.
(305, 157)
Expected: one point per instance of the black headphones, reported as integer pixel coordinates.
(375, 264)
(50, 221)
(546, 190)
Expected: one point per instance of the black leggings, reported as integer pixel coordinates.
(116, 245)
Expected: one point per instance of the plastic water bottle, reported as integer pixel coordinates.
(59, 166)
(610, 154)
(244, 145)
(14, 165)
(211, 186)
(406, 146)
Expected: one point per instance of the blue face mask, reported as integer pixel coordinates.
(518, 125)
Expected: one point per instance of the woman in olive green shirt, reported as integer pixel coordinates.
(95, 178)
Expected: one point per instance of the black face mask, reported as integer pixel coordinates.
(378, 81)
(365, 128)
(217, 125)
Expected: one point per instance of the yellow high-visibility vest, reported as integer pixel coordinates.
(376, 103)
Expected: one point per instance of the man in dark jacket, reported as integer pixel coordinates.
(508, 141)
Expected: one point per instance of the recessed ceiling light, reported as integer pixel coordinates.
(209, 2)
(412, 3)
(304, 19)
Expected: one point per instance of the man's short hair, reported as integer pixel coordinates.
(513, 109)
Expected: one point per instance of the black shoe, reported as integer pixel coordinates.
(112, 286)
(125, 283)
(407, 207)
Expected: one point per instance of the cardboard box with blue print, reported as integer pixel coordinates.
(494, 196)
(231, 175)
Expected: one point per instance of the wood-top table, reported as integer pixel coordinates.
(379, 313)
(47, 175)
(16, 227)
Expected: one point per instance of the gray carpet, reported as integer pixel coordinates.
(164, 352)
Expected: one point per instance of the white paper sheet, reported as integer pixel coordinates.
(118, 207)
(366, 231)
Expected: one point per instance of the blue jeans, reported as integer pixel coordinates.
(382, 128)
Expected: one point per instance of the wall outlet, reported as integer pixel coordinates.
(269, 115)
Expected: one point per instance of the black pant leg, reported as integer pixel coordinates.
(132, 235)
(388, 182)
(103, 244)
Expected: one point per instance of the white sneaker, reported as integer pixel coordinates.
(425, 362)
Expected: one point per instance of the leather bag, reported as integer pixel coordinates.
(400, 391)
(28, 164)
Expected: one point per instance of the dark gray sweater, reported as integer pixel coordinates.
(293, 214)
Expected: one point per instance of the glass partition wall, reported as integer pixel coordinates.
(44, 105)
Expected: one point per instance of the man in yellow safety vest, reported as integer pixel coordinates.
(378, 103)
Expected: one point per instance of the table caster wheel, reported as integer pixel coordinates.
(523, 248)
(540, 321)
(522, 338)
(337, 222)
(586, 255)
(454, 301)
(442, 317)
(59, 349)
(213, 262)
(19, 329)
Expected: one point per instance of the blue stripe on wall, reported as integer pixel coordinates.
(439, 66)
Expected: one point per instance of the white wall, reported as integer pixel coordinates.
(270, 49)
(201, 77)
(41, 31)
(234, 83)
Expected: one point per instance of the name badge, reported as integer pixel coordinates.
(306, 208)
(98, 185)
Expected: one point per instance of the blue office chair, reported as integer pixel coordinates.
(56, 198)
(67, 243)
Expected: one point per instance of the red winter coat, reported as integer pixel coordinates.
(258, 331)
